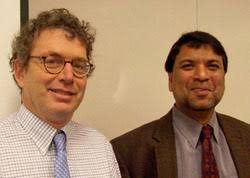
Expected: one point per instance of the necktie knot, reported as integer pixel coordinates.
(59, 140)
(207, 131)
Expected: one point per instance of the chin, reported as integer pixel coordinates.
(63, 108)
(202, 106)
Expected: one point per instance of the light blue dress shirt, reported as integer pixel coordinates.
(188, 147)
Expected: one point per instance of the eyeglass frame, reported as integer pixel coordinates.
(89, 65)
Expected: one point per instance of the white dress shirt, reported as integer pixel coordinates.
(26, 149)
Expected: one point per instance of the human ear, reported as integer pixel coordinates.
(170, 81)
(18, 72)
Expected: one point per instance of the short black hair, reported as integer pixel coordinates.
(195, 39)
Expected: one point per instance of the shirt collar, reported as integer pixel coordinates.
(191, 129)
(213, 122)
(40, 132)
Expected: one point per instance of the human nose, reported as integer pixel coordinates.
(67, 73)
(201, 73)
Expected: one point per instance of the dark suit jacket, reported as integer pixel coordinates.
(149, 151)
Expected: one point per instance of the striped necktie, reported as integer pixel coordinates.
(209, 166)
(61, 164)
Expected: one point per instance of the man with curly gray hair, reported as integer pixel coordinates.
(51, 62)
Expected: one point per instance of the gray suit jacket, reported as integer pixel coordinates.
(149, 151)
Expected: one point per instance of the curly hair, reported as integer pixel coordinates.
(55, 18)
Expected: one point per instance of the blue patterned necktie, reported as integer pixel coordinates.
(61, 164)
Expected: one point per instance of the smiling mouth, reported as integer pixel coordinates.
(62, 92)
(201, 91)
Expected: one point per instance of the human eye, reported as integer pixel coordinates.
(80, 65)
(53, 61)
(214, 66)
(187, 65)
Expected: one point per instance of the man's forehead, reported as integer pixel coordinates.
(207, 47)
(53, 33)
(56, 30)
(204, 51)
(197, 46)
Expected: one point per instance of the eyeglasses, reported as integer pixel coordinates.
(55, 64)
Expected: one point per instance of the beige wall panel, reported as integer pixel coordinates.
(10, 23)
(130, 87)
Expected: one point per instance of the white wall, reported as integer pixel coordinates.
(129, 87)
(10, 23)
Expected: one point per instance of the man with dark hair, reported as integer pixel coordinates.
(51, 62)
(192, 140)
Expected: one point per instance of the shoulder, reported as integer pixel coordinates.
(229, 121)
(233, 127)
(8, 124)
(89, 146)
(135, 150)
(10, 134)
(86, 135)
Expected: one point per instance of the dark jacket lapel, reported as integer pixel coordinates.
(165, 151)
